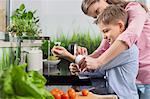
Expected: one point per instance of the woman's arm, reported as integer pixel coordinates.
(101, 49)
(108, 55)
(116, 48)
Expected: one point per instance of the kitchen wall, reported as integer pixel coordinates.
(148, 3)
(59, 16)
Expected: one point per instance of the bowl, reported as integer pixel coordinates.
(53, 62)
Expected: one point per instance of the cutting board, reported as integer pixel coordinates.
(94, 96)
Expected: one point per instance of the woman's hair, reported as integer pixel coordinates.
(111, 15)
(122, 3)
(86, 4)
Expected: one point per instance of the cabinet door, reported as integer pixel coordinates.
(3, 15)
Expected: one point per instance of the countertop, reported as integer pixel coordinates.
(94, 96)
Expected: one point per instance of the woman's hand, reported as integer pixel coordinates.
(81, 51)
(74, 69)
(89, 63)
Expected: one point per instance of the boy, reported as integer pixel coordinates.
(121, 72)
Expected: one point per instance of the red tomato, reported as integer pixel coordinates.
(70, 90)
(56, 93)
(61, 92)
(72, 95)
(85, 92)
(52, 92)
(55, 89)
(57, 96)
(65, 96)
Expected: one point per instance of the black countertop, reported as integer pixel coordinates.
(67, 80)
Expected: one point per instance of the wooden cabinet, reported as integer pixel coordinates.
(3, 15)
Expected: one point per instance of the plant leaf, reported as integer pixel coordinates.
(22, 7)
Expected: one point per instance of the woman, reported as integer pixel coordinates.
(138, 32)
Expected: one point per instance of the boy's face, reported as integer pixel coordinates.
(111, 31)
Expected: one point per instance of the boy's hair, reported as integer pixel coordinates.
(111, 15)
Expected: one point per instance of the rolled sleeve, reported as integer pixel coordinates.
(93, 74)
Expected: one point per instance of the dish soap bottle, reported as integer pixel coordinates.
(35, 60)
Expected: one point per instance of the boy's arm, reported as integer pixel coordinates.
(125, 57)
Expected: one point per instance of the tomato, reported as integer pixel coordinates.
(55, 89)
(52, 92)
(60, 92)
(85, 92)
(57, 95)
(65, 96)
(71, 93)
(70, 90)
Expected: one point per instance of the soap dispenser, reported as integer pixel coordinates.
(35, 60)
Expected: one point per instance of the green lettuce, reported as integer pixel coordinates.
(15, 83)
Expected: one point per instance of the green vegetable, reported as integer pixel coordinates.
(15, 83)
(52, 58)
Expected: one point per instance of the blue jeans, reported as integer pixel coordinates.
(144, 91)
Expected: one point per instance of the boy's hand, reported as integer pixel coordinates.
(74, 69)
(59, 51)
(89, 63)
